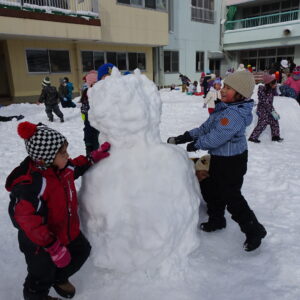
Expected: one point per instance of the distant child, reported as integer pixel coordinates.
(91, 134)
(294, 82)
(192, 89)
(62, 93)
(49, 96)
(69, 96)
(223, 135)
(185, 82)
(172, 87)
(265, 110)
(43, 207)
(213, 95)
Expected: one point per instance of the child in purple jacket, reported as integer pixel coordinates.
(266, 112)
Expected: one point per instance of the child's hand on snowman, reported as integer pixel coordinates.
(100, 153)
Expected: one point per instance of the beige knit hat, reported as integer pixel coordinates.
(243, 82)
(202, 163)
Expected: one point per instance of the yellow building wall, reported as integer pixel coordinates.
(128, 24)
(25, 84)
(37, 28)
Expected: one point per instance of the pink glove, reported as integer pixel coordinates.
(59, 254)
(101, 152)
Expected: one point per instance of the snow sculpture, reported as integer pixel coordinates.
(140, 205)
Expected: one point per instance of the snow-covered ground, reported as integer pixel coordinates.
(218, 268)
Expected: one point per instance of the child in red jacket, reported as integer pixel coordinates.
(43, 206)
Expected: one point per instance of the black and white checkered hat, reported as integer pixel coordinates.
(42, 143)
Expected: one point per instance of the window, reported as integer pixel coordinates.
(203, 11)
(214, 66)
(92, 60)
(48, 61)
(264, 59)
(111, 57)
(199, 61)
(153, 4)
(171, 61)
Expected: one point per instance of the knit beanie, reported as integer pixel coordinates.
(42, 143)
(46, 81)
(202, 163)
(243, 82)
(104, 70)
(91, 77)
(268, 78)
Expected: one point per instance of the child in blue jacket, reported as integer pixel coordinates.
(223, 135)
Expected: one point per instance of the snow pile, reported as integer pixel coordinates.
(140, 205)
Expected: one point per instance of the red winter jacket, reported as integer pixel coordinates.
(44, 202)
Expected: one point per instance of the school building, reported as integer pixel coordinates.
(261, 32)
(67, 38)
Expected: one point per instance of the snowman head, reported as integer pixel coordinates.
(126, 109)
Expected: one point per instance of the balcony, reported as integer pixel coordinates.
(58, 19)
(263, 20)
(263, 31)
(76, 8)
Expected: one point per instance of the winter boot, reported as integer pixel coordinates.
(255, 232)
(50, 119)
(213, 224)
(277, 139)
(254, 140)
(66, 289)
(62, 120)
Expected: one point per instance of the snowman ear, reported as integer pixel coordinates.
(115, 72)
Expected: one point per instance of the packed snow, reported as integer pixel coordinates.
(212, 265)
(125, 197)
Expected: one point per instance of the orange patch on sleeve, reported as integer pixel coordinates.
(224, 121)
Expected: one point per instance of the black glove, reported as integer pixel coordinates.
(180, 139)
(191, 147)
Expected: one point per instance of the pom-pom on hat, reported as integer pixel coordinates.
(268, 78)
(104, 70)
(243, 82)
(46, 81)
(42, 143)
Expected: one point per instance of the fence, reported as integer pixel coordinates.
(263, 20)
(68, 7)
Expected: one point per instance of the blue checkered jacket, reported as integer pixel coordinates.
(223, 133)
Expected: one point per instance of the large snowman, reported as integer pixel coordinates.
(139, 205)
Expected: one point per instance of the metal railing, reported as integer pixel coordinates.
(263, 20)
(88, 8)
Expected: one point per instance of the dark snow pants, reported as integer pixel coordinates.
(223, 189)
(263, 121)
(43, 273)
(53, 108)
(91, 137)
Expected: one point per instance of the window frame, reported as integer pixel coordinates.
(171, 62)
(202, 53)
(49, 61)
(197, 8)
(116, 53)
